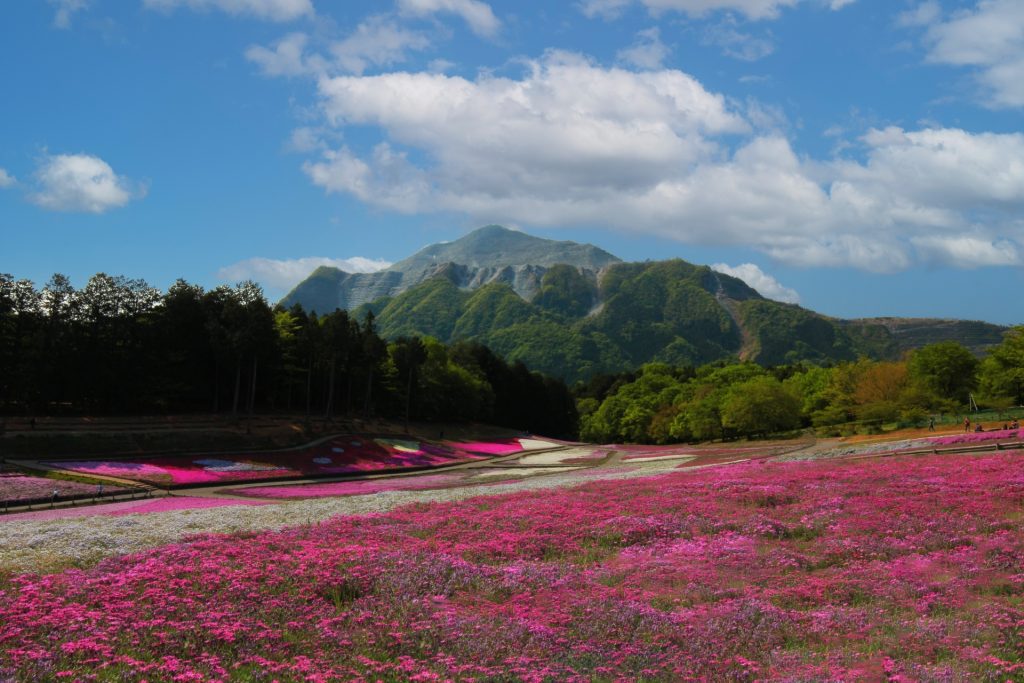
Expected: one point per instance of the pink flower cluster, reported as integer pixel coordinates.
(505, 447)
(342, 455)
(978, 437)
(15, 488)
(902, 569)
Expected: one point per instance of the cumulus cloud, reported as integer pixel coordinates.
(280, 275)
(648, 52)
(968, 251)
(478, 15)
(6, 179)
(736, 44)
(766, 285)
(751, 9)
(377, 41)
(66, 9)
(270, 10)
(572, 143)
(925, 14)
(988, 38)
(80, 182)
(286, 58)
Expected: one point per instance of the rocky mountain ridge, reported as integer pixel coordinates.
(574, 310)
(491, 254)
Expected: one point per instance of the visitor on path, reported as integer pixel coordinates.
(1015, 424)
(967, 424)
(931, 424)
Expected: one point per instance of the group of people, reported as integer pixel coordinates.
(980, 427)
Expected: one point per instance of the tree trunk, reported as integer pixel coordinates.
(238, 381)
(252, 388)
(216, 386)
(309, 387)
(348, 392)
(369, 390)
(330, 392)
(408, 397)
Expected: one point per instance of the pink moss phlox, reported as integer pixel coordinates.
(342, 455)
(16, 487)
(902, 569)
(978, 437)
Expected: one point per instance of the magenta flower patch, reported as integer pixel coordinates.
(342, 455)
(907, 568)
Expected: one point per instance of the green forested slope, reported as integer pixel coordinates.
(672, 312)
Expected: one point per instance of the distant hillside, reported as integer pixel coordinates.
(574, 310)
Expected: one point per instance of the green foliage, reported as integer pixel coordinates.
(432, 309)
(947, 368)
(667, 311)
(785, 333)
(492, 307)
(119, 346)
(566, 291)
(760, 405)
(1002, 372)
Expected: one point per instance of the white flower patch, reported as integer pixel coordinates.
(215, 465)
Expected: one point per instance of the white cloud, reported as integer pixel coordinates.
(573, 143)
(440, 65)
(765, 284)
(737, 45)
(80, 182)
(271, 10)
(648, 52)
(925, 14)
(968, 251)
(989, 38)
(304, 140)
(564, 127)
(66, 9)
(478, 15)
(287, 57)
(751, 9)
(378, 41)
(6, 179)
(281, 275)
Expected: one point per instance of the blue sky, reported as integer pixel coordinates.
(862, 157)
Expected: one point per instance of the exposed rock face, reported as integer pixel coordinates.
(490, 254)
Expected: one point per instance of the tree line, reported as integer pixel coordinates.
(120, 346)
(660, 403)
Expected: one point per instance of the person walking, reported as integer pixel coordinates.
(931, 423)
(967, 424)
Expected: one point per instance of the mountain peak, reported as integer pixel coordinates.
(495, 246)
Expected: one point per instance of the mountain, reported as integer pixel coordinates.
(573, 310)
(487, 255)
